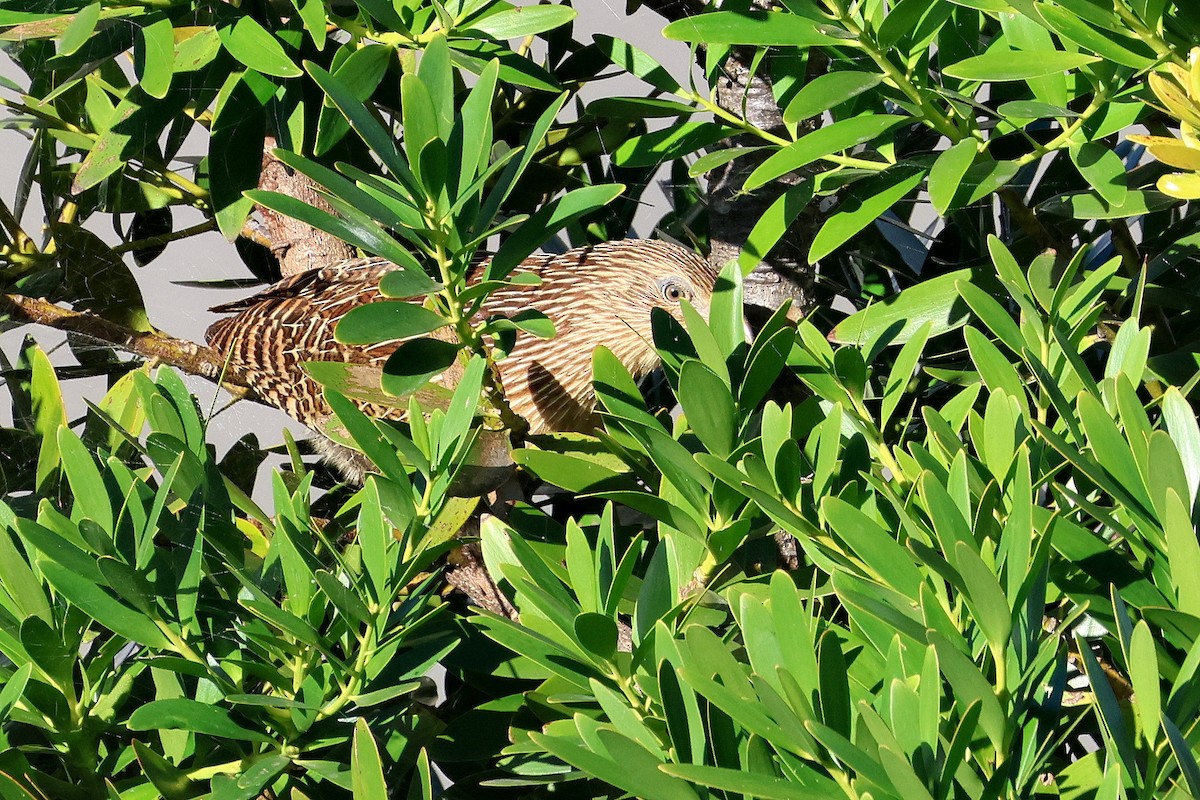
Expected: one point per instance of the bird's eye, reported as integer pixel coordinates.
(674, 291)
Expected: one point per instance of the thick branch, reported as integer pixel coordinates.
(190, 357)
(297, 246)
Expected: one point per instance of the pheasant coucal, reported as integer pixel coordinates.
(596, 295)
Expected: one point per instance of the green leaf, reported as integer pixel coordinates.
(574, 473)
(902, 372)
(154, 56)
(180, 713)
(773, 224)
(79, 31)
(757, 28)
(876, 547)
(416, 361)
(361, 72)
(98, 279)
(866, 202)
(408, 281)
(366, 769)
(827, 91)
(547, 654)
(638, 108)
(1103, 170)
(1185, 433)
(18, 580)
(638, 63)
(386, 319)
(1017, 65)
(842, 135)
(235, 157)
(437, 75)
(420, 125)
(948, 171)
(934, 301)
(508, 178)
(749, 784)
(364, 431)
(57, 547)
(620, 762)
(108, 612)
(549, 220)
(985, 598)
(719, 158)
(726, 314)
(1128, 52)
(251, 44)
(47, 650)
(709, 407)
(597, 633)
(1185, 755)
(1085, 205)
(1112, 720)
(521, 21)
(476, 113)
(1032, 109)
(518, 69)
(1144, 675)
(91, 495)
(675, 141)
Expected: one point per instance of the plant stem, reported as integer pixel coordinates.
(933, 115)
(166, 238)
(746, 127)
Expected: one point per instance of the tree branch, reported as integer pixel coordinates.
(190, 357)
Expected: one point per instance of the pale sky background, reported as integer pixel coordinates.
(182, 311)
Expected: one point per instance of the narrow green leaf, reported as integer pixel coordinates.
(366, 768)
(79, 31)
(827, 91)
(902, 372)
(675, 141)
(636, 62)
(1103, 170)
(866, 202)
(947, 173)
(985, 598)
(709, 407)
(521, 21)
(251, 44)
(98, 604)
(548, 221)
(773, 224)
(749, 784)
(1085, 205)
(1017, 65)
(87, 485)
(385, 320)
(180, 713)
(1123, 50)
(154, 56)
(756, 28)
(841, 135)
(934, 302)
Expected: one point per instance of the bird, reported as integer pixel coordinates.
(601, 294)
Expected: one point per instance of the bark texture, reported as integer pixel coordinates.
(297, 246)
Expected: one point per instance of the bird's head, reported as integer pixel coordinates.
(624, 282)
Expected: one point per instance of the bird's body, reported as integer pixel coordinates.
(597, 295)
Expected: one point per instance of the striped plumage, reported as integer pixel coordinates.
(602, 294)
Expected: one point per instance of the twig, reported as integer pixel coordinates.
(190, 357)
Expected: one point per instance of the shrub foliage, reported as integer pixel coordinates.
(987, 473)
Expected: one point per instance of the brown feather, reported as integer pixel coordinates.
(596, 295)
